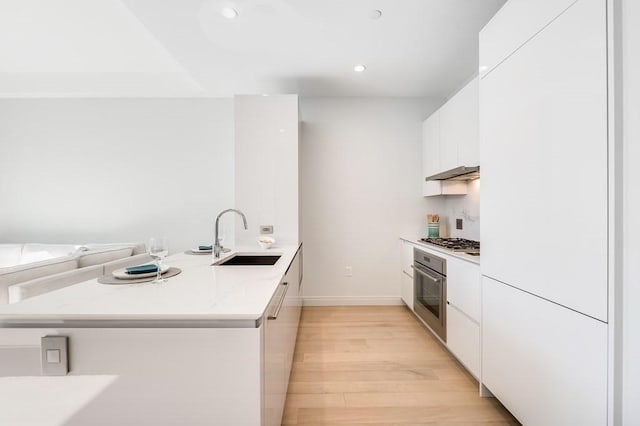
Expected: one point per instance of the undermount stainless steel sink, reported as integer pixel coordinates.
(249, 259)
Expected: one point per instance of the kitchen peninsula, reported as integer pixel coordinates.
(213, 345)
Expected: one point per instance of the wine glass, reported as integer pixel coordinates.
(159, 249)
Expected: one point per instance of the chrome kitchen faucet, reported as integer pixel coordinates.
(217, 247)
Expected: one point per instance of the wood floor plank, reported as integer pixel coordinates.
(378, 365)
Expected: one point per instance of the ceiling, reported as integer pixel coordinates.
(184, 48)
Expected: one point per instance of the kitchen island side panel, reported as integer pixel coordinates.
(130, 376)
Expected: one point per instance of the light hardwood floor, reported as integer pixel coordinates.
(378, 365)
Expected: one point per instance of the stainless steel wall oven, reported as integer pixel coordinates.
(430, 290)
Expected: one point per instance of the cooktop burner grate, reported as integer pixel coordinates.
(454, 244)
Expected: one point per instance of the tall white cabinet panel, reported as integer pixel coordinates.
(520, 19)
(544, 124)
(266, 166)
(545, 363)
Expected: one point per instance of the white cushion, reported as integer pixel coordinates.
(22, 273)
(34, 252)
(10, 254)
(99, 257)
(137, 247)
(25, 290)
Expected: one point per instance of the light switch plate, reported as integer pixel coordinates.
(55, 359)
(266, 229)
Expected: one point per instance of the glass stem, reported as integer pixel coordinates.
(159, 275)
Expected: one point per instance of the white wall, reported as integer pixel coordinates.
(109, 170)
(465, 207)
(361, 190)
(631, 211)
(266, 167)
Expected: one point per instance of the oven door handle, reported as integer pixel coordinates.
(425, 274)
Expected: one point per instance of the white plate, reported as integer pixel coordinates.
(122, 273)
(197, 250)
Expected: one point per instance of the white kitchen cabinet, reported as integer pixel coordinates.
(281, 329)
(276, 342)
(463, 339)
(266, 142)
(547, 364)
(450, 139)
(467, 136)
(463, 287)
(449, 123)
(291, 310)
(513, 25)
(431, 161)
(431, 145)
(459, 144)
(406, 274)
(544, 123)
(406, 290)
(463, 312)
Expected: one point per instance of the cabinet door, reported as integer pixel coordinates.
(406, 289)
(431, 154)
(275, 360)
(463, 339)
(468, 137)
(291, 312)
(547, 364)
(450, 116)
(407, 258)
(431, 145)
(544, 163)
(463, 287)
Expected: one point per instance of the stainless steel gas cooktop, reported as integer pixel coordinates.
(455, 244)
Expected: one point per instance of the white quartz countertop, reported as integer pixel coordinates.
(201, 292)
(436, 249)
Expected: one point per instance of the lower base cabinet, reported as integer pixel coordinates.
(406, 289)
(281, 321)
(463, 339)
(547, 364)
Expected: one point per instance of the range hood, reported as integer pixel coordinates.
(459, 173)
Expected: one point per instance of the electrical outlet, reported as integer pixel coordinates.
(458, 223)
(348, 271)
(266, 229)
(55, 361)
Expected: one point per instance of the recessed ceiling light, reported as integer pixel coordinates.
(483, 68)
(359, 68)
(229, 12)
(375, 14)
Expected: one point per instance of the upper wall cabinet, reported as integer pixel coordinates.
(450, 139)
(459, 129)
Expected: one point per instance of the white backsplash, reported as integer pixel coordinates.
(465, 207)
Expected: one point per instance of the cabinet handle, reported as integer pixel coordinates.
(277, 312)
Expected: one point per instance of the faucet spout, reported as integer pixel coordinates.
(217, 247)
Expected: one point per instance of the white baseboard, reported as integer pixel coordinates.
(351, 301)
